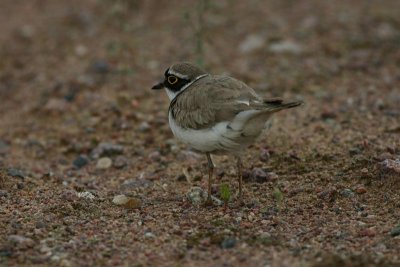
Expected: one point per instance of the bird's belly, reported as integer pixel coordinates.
(220, 138)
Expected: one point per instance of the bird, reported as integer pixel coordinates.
(216, 114)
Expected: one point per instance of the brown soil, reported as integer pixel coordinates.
(75, 74)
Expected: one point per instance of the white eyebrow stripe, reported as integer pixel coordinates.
(178, 74)
(246, 102)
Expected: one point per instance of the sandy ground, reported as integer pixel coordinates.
(79, 125)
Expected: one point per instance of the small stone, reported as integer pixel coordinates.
(120, 162)
(3, 147)
(127, 202)
(364, 171)
(120, 199)
(197, 196)
(259, 175)
(3, 193)
(228, 243)
(347, 193)
(328, 114)
(56, 105)
(144, 127)
(149, 235)
(384, 156)
(251, 43)
(285, 46)
(86, 195)
(81, 50)
(354, 151)
(133, 203)
(265, 155)
(40, 224)
(271, 176)
(15, 173)
(361, 190)
(135, 184)
(395, 231)
(181, 178)
(389, 165)
(80, 161)
(155, 156)
(100, 66)
(27, 31)
(106, 150)
(370, 232)
(21, 241)
(66, 263)
(103, 163)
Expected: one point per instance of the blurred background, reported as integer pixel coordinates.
(75, 79)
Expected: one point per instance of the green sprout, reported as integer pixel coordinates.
(225, 194)
(278, 196)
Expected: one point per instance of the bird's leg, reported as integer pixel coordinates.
(210, 174)
(239, 173)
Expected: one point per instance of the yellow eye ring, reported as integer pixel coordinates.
(172, 79)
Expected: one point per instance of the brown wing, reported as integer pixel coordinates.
(213, 99)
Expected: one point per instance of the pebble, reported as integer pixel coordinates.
(370, 232)
(106, 150)
(361, 190)
(181, 178)
(149, 235)
(285, 46)
(100, 66)
(391, 165)
(86, 194)
(197, 196)
(56, 105)
(251, 43)
(354, 151)
(80, 161)
(135, 183)
(228, 243)
(15, 173)
(265, 155)
(155, 156)
(3, 147)
(258, 175)
(271, 176)
(104, 163)
(3, 193)
(22, 241)
(127, 202)
(347, 192)
(120, 162)
(395, 231)
(144, 127)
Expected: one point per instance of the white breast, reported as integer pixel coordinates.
(231, 137)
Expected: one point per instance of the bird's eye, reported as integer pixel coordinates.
(172, 79)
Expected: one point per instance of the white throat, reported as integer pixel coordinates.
(171, 94)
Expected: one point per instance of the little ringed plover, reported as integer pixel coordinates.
(216, 114)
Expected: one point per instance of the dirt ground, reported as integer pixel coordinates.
(79, 125)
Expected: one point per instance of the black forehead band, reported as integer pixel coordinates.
(166, 72)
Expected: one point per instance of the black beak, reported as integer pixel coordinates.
(158, 86)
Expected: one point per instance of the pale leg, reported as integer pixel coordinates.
(210, 175)
(239, 173)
